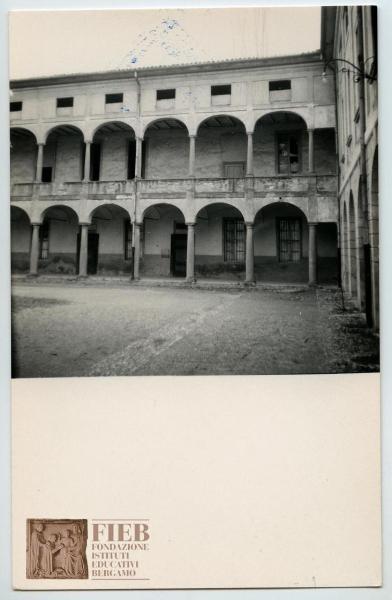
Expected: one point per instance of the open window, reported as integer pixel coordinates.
(289, 153)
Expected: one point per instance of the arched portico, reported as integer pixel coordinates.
(105, 244)
(23, 155)
(111, 154)
(20, 240)
(61, 158)
(374, 238)
(220, 242)
(290, 249)
(54, 241)
(221, 147)
(165, 149)
(162, 237)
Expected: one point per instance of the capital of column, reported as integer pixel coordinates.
(84, 224)
(138, 224)
(249, 224)
(36, 223)
(190, 223)
(192, 135)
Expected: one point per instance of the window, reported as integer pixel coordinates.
(234, 170)
(128, 241)
(281, 84)
(44, 240)
(279, 90)
(47, 174)
(288, 153)
(65, 102)
(220, 90)
(113, 98)
(166, 94)
(233, 240)
(15, 106)
(289, 240)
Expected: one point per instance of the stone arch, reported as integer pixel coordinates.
(113, 125)
(167, 123)
(107, 206)
(232, 204)
(222, 118)
(23, 132)
(63, 129)
(299, 113)
(161, 205)
(57, 206)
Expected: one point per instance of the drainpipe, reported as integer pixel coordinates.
(138, 95)
(362, 110)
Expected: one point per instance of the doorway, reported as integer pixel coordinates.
(92, 252)
(178, 254)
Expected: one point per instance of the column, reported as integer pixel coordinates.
(311, 150)
(190, 253)
(40, 161)
(249, 157)
(34, 250)
(83, 253)
(192, 154)
(138, 158)
(87, 162)
(249, 257)
(312, 250)
(136, 256)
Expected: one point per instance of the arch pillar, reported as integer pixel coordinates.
(249, 254)
(87, 162)
(249, 155)
(138, 157)
(83, 253)
(34, 250)
(40, 162)
(312, 253)
(190, 253)
(136, 256)
(192, 155)
(311, 150)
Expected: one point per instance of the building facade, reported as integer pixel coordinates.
(349, 33)
(217, 170)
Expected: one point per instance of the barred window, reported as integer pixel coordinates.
(289, 240)
(234, 240)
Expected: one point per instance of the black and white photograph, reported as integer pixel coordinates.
(190, 200)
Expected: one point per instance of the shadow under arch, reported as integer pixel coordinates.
(20, 240)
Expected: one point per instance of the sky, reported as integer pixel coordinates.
(60, 42)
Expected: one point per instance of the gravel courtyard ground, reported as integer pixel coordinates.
(71, 329)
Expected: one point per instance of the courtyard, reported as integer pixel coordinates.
(75, 329)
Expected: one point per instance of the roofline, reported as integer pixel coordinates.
(226, 65)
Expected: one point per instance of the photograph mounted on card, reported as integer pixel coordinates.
(195, 298)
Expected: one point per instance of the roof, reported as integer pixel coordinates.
(175, 69)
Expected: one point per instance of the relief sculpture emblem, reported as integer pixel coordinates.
(56, 548)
